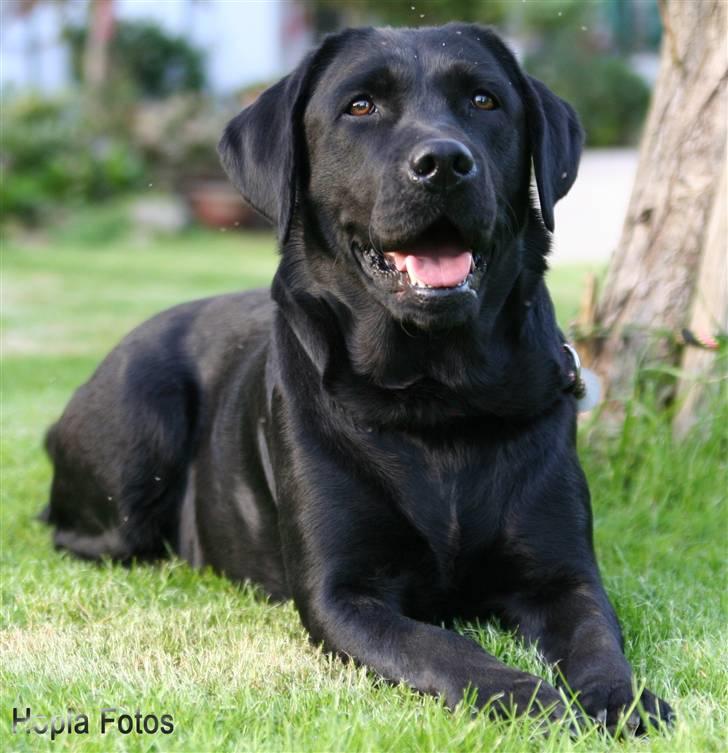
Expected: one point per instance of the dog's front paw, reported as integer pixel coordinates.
(526, 694)
(608, 703)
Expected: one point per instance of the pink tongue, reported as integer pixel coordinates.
(444, 269)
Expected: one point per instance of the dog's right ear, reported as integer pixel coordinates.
(259, 148)
(262, 148)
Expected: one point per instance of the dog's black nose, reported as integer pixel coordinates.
(441, 163)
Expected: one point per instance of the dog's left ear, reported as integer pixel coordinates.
(556, 138)
(554, 131)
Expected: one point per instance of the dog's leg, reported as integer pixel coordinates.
(430, 659)
(578, 630)
(121, 452)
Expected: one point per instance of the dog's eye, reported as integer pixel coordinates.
(361, 106)
(483, 101)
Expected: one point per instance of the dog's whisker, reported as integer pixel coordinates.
(372, 241)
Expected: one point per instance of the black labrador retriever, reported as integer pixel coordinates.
(390, 441)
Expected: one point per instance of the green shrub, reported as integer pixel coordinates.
(52, 156)
(610, 98)
(575, 51)
(155, 63)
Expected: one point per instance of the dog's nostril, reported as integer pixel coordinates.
(463, 163)
(424, 164)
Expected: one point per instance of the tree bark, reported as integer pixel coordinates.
(652, 282)
(710, 312)
(96, 54)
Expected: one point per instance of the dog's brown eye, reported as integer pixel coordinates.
(361, 106)
(484, 101)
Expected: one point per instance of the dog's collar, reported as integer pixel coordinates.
(583, 383)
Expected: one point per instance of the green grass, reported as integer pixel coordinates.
(238, 674)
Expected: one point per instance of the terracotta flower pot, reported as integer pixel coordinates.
(217, 204)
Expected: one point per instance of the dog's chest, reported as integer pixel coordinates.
(452, 497)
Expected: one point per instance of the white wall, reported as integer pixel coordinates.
(240, 37)
(32, 55)
(246, 41)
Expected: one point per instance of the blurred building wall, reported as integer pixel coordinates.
(32, 54)
(245, 41)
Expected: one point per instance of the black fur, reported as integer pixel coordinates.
(389, 457)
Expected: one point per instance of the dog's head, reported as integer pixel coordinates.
(407, 154)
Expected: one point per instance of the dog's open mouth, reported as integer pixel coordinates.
(436, 262)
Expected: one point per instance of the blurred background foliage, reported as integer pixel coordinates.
(153, 119)
(56, 155)
(144, 58)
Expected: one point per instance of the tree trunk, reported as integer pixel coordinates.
(653, 278)
(710, 311)
(96, 54)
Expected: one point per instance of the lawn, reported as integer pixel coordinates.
(237, 674)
